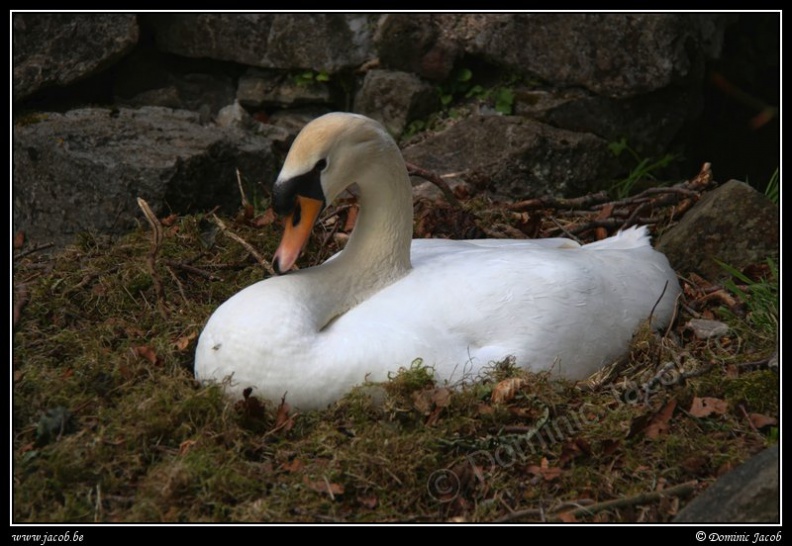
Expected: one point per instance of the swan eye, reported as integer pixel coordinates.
(320, 165)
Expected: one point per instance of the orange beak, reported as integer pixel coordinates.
(297, 228)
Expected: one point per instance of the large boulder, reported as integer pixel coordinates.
(733, 224)
(395, 98)
(62, 48)
(83, 170)
(748, 494)
(514, 156)
(613, 55)
(327, 42)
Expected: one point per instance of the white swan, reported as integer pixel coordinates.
(385, 300)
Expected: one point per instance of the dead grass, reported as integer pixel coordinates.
(110, 426)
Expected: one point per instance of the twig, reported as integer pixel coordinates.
(178, 283)
(680, 490)
(34, 249)
(156, 242)
(657, 302)
(748, 418)
(228, 233)
(245, 201)
(192, 269)
(437, 181)
(584, 201)
(564, 230)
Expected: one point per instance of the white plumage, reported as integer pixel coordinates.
(384, 300)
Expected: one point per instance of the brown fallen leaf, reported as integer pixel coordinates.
(351, 218)
(547, 472)
(705, 406)
(264, 219)
(325, 487)
(186, 445)
(567, 517)
(506, 390)
(147, 352)
(760, 421)
(485, 409)
(19, 240)
(295, 465)
(283, 421)
(169, 220)
(184, 341)
(658, 424)
(368, 500)
(429, 399)
(250, 407)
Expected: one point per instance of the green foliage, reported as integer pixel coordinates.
(760, 298)
(643, 169)
(310, 77)
(461, 86)
(772, 189)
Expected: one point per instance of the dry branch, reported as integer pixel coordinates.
(151, 260)
(253, 252)
(414, 170)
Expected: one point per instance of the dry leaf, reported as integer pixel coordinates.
(183, 342)
(19, 240)
(760, 421)
(294, 465)
(659, 422)
(250, 407)
(547, 473)
(264, 219)
(18, 374)
(282, 419)
(368, 500)
(441, 397)
(351, 218)
(144, 351)
(506, 390)
(422, 400)
(324, 486)
(185, 446)
(567, 517)
(485, 409)
(169, 220)
(702, 407)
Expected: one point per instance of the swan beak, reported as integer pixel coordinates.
(297, 228)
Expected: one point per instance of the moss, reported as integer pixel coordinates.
(148, 443)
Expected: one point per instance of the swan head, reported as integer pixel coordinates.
(329, 155)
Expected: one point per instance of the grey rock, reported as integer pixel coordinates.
(734, 224)
(259, 88)
(747, 494)
(62, 48)
(649, 122)
(613, 55)
(327, 42)
(705, 329)
(414, 43)
(145, 79)
(292, 121)
(514, 156)
(395, 98)
(83, 171)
